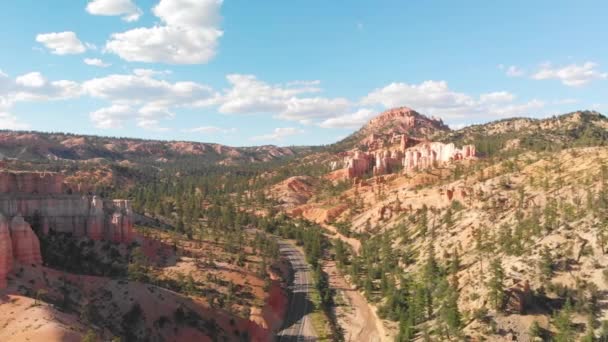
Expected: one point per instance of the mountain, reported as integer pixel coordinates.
(576, 129)
(37, 146)
(412, 230)
(396, 121)
(508, 243)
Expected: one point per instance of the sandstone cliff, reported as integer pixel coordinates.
(394, 140)
(43, 200)
(18, 243)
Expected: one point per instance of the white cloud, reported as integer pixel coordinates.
(9, 121)
(250, 95)
(436, 98)
(149, 99)
(151, 125)
(352, 121)
(30, 87)
(112, 117)
(514, 71)
(34, 86)
(210, 130)
(61, 43)
(125, 8)
(189, 13)
(496, 97)
(278, 134)
(96, 62)
(428, 96)
(31, 80)
(306, 109)
(189, 34)
(141, 87)
(572, 75)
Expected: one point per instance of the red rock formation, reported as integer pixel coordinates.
(358, 165)
(96, 218)
(6, 251)
(42, 196)
(387, 161)
(26, 247)
(426, 155)
(31, 182)
(450, 193)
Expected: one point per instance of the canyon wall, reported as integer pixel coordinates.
(43, 201)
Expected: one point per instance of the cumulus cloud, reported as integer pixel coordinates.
(189, 34)
(125, 8)
(148, 98)
(307, 109)
(9, 121)
(250, 95)
(142, 87)
(210, 130)
(352, 120)
(34, 86)
(112, 117)
(96, 62)
(436, 98)
(61, 43)
(278, 134)
(572, 75)
(290, 101)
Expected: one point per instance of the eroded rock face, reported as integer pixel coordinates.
(425, 155)
(26, 246)
(422, 155)
(397, 139)
(6, 251)
(358, 165)
(31, 182)
(18, 243)
(42, 200)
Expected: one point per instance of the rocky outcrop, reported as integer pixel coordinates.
(397, 139)
(31, 182)
(426, 155)
(6, 251)
(42, 200)
(26, 246)
(387, 162)
(18, 243)
(358, 165)
(422, 155)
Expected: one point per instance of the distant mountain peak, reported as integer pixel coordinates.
(395, 122)
(403, 120)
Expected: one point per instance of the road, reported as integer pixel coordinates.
(298, 324)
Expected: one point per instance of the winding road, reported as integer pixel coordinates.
(298, 324)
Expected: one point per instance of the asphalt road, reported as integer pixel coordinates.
(298, 324)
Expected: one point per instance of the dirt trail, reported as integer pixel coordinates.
(355, 316)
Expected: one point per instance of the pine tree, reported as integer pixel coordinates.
(496, 284)
(563, 323)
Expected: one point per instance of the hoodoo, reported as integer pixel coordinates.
(397, 139)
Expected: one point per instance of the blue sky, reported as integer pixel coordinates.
(242, 72)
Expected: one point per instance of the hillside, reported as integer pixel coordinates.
(582, 128)
(37, 146)
(508, 245)
(414, 232)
